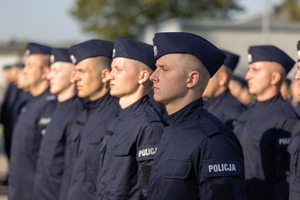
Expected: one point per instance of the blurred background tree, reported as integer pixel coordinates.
(290, 10)
(127, 18)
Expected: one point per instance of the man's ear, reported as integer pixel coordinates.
(276, 77)
(223, 77)
(45, 72)
(192, 79)
(104, 75)
(144, 76)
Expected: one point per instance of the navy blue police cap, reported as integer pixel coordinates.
(231, 60)
(60, 55)
(298, 50)
(270, 53)
(89, 49)
(180, 42)
(34, 48)
(135, 50)
(242, 81)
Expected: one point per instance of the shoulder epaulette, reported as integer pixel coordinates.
(207, 126)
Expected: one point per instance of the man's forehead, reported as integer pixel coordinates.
(125, 62)
(61, 65)
(169, 58)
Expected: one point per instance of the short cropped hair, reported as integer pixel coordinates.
(192, 63)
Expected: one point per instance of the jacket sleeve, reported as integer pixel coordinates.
(282, 157)
(220, 168)
(147, 143)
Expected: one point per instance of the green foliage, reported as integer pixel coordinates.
(109, 18)
(292, 7)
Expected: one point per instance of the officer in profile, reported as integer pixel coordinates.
(264, 130)
(294, 147)
(11, 95)
(92, 61)
(295, 99)
(31, 123)
(50, 167)
(198, 156)
(219, 101)
(131, 141)
(24, 95)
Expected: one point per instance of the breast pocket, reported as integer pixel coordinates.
(93, 154)
(123, 169)
(174, 169)
(179, 174)
(74, 143)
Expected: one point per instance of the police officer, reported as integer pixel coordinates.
(264, 130)
(295, 99)
(31, 124)
(11, 96)
(50, 166)
(219, 101)
(294, 148)
(198, 156)
(131, 141)
(92, 61)
(24, 95)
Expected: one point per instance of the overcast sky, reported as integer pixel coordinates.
(49, 22)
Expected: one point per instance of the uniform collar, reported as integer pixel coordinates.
(263, 104)
(183, 114)
(135, 107)
(68, 102)
(46, 94)
(98, 102)
(214, 100)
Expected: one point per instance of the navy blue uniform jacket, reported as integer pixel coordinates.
(50, 166)
(264, 131)
(226, 107)
(127, 152)
(24, 98)
(84, 176)
(27, 136)
(198, 158)
(294, 150)
(6, 116)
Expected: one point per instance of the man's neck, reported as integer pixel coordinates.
(267, 95)
(128, 100)
(66, 94)
(98, 94)
(39, 88)
(220, 91)
(180, 103)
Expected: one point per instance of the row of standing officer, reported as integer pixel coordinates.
(267, 129)
(104, 147)
(14, 99)
(264, 129)
(195, 149)
(67, 165)
(294, 146)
